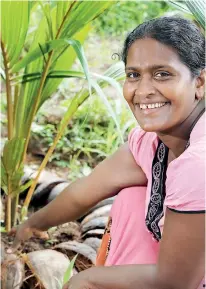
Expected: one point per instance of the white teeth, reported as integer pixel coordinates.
(152, 105)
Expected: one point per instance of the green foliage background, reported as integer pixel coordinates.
(124, 15)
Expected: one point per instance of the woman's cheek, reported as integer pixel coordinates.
(128, 92)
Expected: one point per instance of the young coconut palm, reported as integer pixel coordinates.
(31, 77)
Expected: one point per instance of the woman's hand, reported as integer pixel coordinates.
(80, 281)
(23, 233)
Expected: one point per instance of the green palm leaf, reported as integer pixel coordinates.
(14, 14)
(197, 7)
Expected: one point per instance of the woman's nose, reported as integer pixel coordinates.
(144, 88)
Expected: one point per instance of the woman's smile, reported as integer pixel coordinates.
(151, 108)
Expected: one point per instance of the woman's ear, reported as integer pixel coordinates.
(200, 85)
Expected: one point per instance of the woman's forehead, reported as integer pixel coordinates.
(150, 52)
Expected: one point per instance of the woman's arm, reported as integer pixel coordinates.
(108, 178)
(180, 264)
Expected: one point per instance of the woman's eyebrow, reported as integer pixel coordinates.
(152, 67)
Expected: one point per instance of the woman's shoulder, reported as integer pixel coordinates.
(185, 185)
(198, 134)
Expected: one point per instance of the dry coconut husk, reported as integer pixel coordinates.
(79, 248)
(100, 212)
(48, 267)
(93, 242)
(86, 255)
(66, 232)
(97, 223)
(12, 272)
(103, 203)
(97, 233)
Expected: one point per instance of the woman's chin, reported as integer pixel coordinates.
(151, 127)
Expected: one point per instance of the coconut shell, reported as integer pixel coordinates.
(93, 242)
(97, 233)
(57, 190)
(103, 203)
(79, 248)
(48, 266)
(100, 212)
(97, 223)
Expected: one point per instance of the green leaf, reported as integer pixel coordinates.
(65, 62)
(3, 230)
(62, 7)
(197, 7)
(100, 92)
(25, 186)
(12, 155)
(4, 180)
(37, 52)
(83, 12)
(46, 9)
(14, 26)
(180, 5)
(82, 58)
(68, 272)
(53, 74)
(16, 179)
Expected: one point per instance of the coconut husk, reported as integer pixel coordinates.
(103, 203)
(48, 267)
(97, 223)
(12, 272)
(100, 212)
(93, 242)
(66, 232)
(57, 190)
(79, 248)
(97, 233)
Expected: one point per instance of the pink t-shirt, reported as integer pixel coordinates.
(131, 242)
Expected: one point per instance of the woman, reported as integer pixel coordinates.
(158, 175)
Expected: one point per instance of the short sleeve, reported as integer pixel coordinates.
(143, 146)
(185, 185)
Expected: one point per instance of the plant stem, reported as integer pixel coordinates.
(8, 93)
(16, 94)
(73, 108)
(14, 207)
(10, 132)
(8, 210)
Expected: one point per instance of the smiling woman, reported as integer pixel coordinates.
(156, 230)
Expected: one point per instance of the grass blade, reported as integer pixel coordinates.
(68, 273)
(100, 92)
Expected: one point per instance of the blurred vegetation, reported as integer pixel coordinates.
(89, 138)
(125, 15)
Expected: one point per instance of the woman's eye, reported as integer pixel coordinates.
(132, 75)
(162, 74)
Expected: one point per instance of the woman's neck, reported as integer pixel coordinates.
(177, 139)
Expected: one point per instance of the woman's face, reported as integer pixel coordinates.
(159, 88)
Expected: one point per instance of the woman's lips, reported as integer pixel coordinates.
(147, 111)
